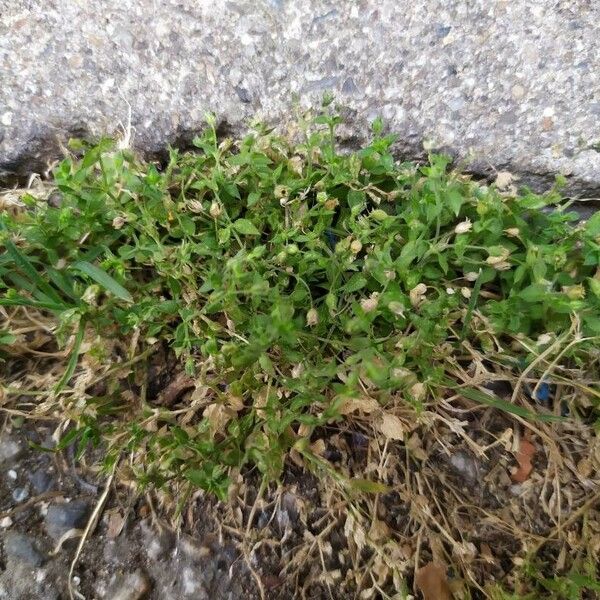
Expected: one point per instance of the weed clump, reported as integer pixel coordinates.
(224, 310)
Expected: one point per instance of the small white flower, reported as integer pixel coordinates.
(543, 339)
(417, 294)
(450, 291)
(195, 206)
(312, 317)
(355, 246)
(118, 222)
(463, 227)
(370, 304)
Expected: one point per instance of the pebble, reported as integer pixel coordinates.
(12, 474)
(21, 548)
(20, 494)
(10, 451)
(465, 465)
(158, 542)
(64, 516)
(6, 522)
(41, 480)
(129, 586)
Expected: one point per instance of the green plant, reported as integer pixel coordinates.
(285, 275)
(289, 280)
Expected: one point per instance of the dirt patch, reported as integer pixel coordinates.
(304, 538)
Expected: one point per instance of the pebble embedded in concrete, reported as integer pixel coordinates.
(20, 494)
(515, 83)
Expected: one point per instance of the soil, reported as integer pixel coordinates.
(304, 538)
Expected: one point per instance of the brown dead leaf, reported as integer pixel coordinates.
(379, 531)
(318, 447)
(524, 455)
(391, 427)
(432, 582)
(115, 524)
(173, 391)
(364, 404)
(218, 416)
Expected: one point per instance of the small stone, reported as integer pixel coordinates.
(192, 550)
(20, 494)
(518, 91)
(41, 480)
(547, 123)
(243, 94)
(12, 474)
(62, 517)
(10, 451)
(158, 541)
(465, 465)
(6, 118)
(349, 87)
(6, 522)
(129, 586)
(441, 31)
(20, 547)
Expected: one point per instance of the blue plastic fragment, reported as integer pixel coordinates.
(543, 393)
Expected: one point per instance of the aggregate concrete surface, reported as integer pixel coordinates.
(507, 85)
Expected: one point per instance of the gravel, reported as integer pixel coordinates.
(129, 586)
(20, 547)
(10, 450)
(42, 479)
(514, 85)
(61, 517)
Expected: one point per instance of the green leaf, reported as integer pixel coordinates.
(536, 292)
(368, 486)
(355, 283)
(187, 225)
(28, 269)
(253, 198)
(594, 286)
(505, 406)
(245, 227)
(7, 338)
(104, 279)
(472, 302)
(455, 201)
(73, 358)
(18, 300)
(356, 201)
(592, 227)
(224, 235)
(266, 364)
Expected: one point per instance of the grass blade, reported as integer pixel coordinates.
(22, 301)
(471, 307)
(73, 359)
(28, 269)
(104, 279)
(505, 406)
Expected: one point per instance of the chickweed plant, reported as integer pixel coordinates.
(286, 286)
